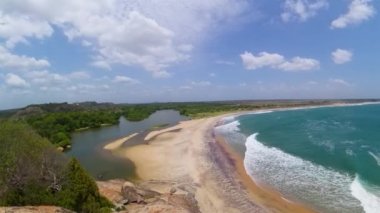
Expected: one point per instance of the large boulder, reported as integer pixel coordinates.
(129, 192)
(147, 193)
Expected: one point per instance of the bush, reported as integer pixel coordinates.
(32, 172)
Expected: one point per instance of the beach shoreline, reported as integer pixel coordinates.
(270, 199)
(118, 142)
(193, 157)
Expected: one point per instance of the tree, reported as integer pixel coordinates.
(32, 172)
(80, 191)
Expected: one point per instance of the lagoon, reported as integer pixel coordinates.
(87, 146)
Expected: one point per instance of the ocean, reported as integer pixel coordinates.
(325, 157)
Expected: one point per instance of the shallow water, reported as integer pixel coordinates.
(101, 164)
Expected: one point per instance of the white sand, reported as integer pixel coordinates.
(190, 156)
(118, 142)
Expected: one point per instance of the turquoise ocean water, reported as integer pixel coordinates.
(327, 157)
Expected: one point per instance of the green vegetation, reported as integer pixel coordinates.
(141, 111)
(57, 121)
(32, 172)
(58, 126)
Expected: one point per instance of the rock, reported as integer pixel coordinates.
(124, 202)
(152, 200)
(34, 209)
(129, 184)
(60, 149)
(111, 190)
(147, 193)
(129, 192)
(172, 190)
(184, 201)
(119, 208)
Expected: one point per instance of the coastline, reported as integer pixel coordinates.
(271, 200)
(190, 157)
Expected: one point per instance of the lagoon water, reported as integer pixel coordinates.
(101, 164)
(327, 157)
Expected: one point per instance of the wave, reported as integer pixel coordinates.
(376, 157)
(228, 119)
(260, 112)
(312, 107)
(369, 201)
(325, 189)
(229, 127)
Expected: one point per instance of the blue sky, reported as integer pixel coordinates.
(148, 51)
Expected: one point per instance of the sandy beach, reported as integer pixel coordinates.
(191, 157)
(118, 142)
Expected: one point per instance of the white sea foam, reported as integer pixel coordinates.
(349, 152)
(325, 189)
(260, 112)
(228, 119)
(376, 157)
(369, 201)
(232, 126)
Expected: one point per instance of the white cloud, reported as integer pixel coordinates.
(341, 56)
(224, 62)
(138, 40)
(263, 59)
(125, 79)
(79, 75)
(338, 81)
(277, 61)
(150, 34)
(105, 86)
(46, 78)
(200, 83)
(15, 81)
(185, 87)
(21, 62)
(312, 83)
(102, 64)
(358, 11)
(86, 43)
(17, 28)
(302, 10)
(299, 64)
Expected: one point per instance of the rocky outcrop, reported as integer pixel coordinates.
(130, 193)
(129, 197)
(34, 209)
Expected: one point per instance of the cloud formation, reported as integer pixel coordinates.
(277, 61)
(302, 10)
(149, 34)
(358, 12)
(12, 61)
(125, 79)
(338, 81)
(17, 28)
(200, 83)
(15, 81)
(341, 56)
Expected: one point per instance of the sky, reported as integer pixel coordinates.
(139, 51)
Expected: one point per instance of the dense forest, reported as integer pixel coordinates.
(32, 172)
